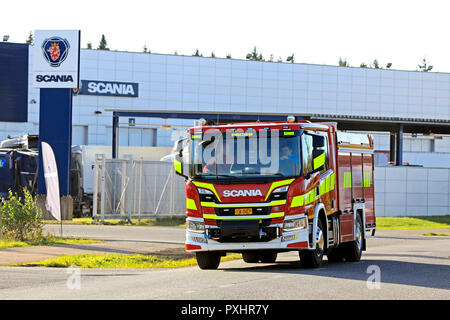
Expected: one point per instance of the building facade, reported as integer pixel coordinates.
(173, 82)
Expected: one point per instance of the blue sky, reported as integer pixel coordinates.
(397, 31)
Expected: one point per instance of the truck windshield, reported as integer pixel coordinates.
(245, 154)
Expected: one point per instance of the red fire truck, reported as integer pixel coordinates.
(315, 195)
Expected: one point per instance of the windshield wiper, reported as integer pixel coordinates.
(219, 175)
(265, 174)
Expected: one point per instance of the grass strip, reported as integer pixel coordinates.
(436, 234)
(119, 261)
(46, 241)
(409, 223)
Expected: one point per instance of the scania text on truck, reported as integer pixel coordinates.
(262, 188)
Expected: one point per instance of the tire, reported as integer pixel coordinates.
(314, 258)
(208, 260)
(268, 257)
(250, 257)
(353, 250)
(335, 255)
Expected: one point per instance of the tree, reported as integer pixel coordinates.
(145, 49)
(363, 65)
(89, 45)
(375, 64)
(343, 62)
(103, 45)
(176, 53)
(228, 56)
(290, 58)
(213, 55)
(197, 53)
(30, 39)
(424, 67)
(271, 58)
(255, 55)
(279, 59)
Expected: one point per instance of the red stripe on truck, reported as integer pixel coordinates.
(303, 244)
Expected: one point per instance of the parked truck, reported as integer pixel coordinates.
(314, 196)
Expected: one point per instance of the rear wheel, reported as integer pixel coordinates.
(313, 258)
(250, 257)
(353, 250)
(268, 257)
(208, 260)
(335, 255)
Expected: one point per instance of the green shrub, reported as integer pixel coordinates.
(20, 218)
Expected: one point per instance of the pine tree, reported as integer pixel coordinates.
(228, 56)
(213, 55)
(89, 45)
(375, 64)
(424, 67)
(343, 62)
(145, 49)
(197, 53)
(103, 45)
(30, 39)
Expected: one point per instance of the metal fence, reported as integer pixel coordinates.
(136, 189)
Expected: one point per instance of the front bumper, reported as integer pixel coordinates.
(291, 240)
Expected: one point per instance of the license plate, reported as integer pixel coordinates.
(243, 211)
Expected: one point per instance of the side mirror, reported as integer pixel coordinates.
(178, 157)
(318, 160)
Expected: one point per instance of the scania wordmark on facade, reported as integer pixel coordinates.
(109, 88)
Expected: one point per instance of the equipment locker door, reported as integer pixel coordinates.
(368, 189)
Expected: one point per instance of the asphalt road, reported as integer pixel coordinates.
(411, 267)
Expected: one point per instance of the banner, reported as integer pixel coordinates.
(51, 181)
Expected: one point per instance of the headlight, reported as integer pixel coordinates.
(295, 224)
(281, 189)
(195, 226)
(204, 191)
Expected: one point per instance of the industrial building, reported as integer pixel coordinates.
(114, 80)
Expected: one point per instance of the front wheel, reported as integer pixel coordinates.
(314, 258)
(208, 260)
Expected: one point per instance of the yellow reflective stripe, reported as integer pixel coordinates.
(242, 205)
(177, 165)
(208, 186)
(319, 161)
(323, 186)
(190, 204)
(367, 179)
(288, 133)
(332, 181)
(347, 179)
(298, 201)
(277, 184)
(271, 216)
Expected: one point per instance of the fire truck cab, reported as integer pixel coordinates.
(262, 188)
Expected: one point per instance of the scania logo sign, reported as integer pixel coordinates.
(55, 50)
(56, 59)
(242, 193)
